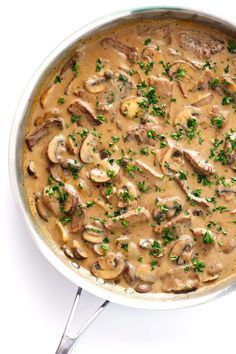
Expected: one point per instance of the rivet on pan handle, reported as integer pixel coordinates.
(68, 342)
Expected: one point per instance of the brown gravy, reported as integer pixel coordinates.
(130, 156)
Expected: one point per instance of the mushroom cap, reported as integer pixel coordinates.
(50, 200)
(72, 199)
(189, 112)
(63, 231)
(40, 207)
(183, 249)
(87, 154)
(172, 161)
(79, 251)
(95, 84)
(55, 149)
(101, 174)
(130, 107)
(93, 234)
(108, 267)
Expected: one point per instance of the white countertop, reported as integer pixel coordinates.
(35, 298)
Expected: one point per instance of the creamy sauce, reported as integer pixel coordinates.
(130, 156)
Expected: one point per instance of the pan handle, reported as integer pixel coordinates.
(68, 342)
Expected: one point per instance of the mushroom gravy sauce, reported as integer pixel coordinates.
(130, 156)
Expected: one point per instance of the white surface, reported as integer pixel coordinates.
(35, 299)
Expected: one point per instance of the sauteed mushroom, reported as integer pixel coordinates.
(56, 147)
(108, 267)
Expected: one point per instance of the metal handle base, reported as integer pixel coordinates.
(68, 342)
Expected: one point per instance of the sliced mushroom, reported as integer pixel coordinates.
(44, 95)
(131, 217)
(97, 247)
(56, 172)
(71, 165)
(63, 231)
(178, 280)
(78, 219)
(131, 107)
(185, 75)
(41, 210)
(167, 208)
(131, 251)
(172, 161)
(31, 169)
(108, 267)
(107, 170)
(72, 145)
(198, 162)
(55, 149)
(201, 44)
(84, 186)
(129, 273)
(183, 249)
(88, 149)
(187, 114)
(41, 131)
(203, 100)
(143, 288)
(97, 84)
(50, 199)
(152, 171)
(182, 218)
(93, 234)
(130, 52)
(146, 243)
(183, 185)
(152, 245)
(79, 107)
(76, 251)
(216, 111)
(145, 273)
(227, 192)
(79, 251)
(72, 200)
(127, 195)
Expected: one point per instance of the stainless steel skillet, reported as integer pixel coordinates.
(49, 249)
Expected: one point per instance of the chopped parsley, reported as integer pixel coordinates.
(147, 41)
(180, 73)
(208, 237)
(153, 264)
(198, 266)
(57, 79)
(217, 121)
(99, 65)
(61, 100)
(142, 187)
(231, 46)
